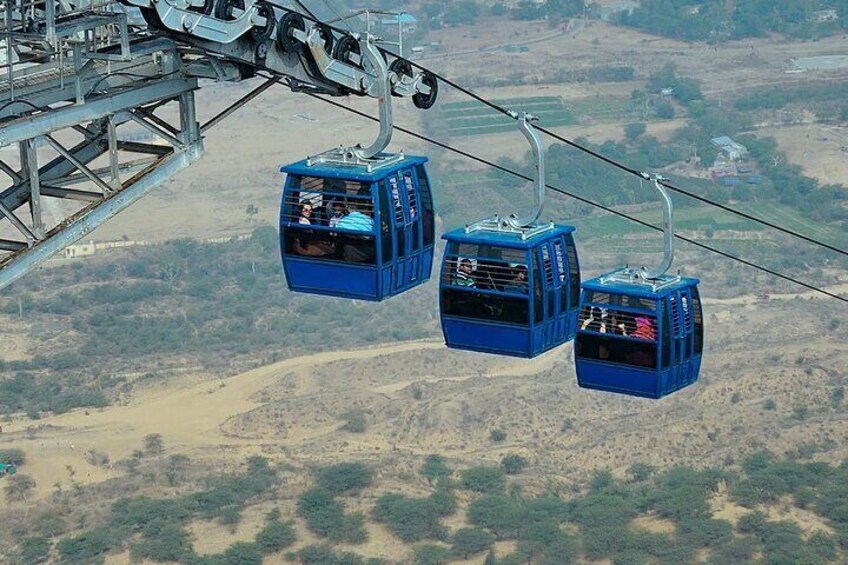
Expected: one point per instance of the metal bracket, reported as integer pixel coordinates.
(668, 233)
(524, 124)
(496, 224)
(636, 278)
(176, 16)
(381, 91)
(346, 157)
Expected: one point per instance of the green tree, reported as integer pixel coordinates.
(326, 517)
(469, 541)
(664, 111)
(501, 515)
(432, 555)
(752, 523)
(497, 436)
(163, 540)
(823, 546)
(35, 549)
(344, 478)
(435, 468)
(483, 479)
(275, 536)
(88, 547)
(443, 500)
(410, 519)
(634, 131)
(641, 471)
(513, 464)
(242, 553)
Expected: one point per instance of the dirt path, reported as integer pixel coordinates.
(188, 418)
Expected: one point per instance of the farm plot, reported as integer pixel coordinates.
(473, 118)
(604, 108)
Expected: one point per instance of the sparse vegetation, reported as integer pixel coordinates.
(435, 468)
(513, 464)
(410, 519)
(497, 436)
(356, 421)
(344, 478)
(153, 444)
(602, 522)
(483, 479)
(326, 517)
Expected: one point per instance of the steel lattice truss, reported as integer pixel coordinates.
(97, 104)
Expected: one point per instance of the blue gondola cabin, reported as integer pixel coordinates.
(349, 232)
(507, 294)
(639, 339)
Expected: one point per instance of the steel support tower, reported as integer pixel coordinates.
(81, 79)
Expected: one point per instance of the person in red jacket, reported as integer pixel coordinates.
(644, 329)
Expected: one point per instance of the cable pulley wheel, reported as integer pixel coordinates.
(288, 23)
(207, 8)
(326, 34)
(261, 33)
(426, 101)
(224, 9)
(343, 49)
(402, 68)
(151, 16)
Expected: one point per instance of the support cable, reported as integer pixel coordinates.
(588, 201)
(599, 156)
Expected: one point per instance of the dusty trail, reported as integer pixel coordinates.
(188, 418)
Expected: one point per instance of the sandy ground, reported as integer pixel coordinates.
(195, 415)
(189, 420)
(821, 151)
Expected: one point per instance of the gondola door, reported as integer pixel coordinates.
(679, 367)
(401, 229)
(548, 327)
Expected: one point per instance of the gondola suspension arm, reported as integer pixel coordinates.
(668, 233)
(382, 91)
(526, 127)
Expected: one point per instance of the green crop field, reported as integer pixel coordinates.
(474, 118)
(789, 218)
(603, 108)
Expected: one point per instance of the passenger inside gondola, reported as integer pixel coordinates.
(359, 219)
(608, 337)
(465, 274)
(519, 280)
(305, 213)
(337, 213)
(314, 245)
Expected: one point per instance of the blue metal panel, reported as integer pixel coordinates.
(683, 365)
(486, 337)
(506, 239)
(332, 278)
(617, 378)
(551, 319)
(352, 173)
(395, 270)
(638, 290)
